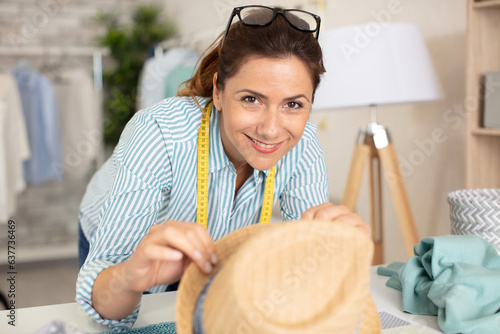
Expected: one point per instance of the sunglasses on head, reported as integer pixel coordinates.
(259, 16)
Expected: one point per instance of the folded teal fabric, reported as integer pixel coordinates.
(457, 278)
(392, 270)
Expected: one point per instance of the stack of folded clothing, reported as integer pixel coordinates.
(457, 278)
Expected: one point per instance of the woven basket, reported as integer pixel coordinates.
(476, 211)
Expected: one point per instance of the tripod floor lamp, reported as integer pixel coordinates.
(371, 65)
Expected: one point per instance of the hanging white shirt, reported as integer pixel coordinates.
(155, 71)
(14, 147)
(81, 122)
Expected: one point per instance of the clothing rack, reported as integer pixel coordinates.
(194, 41)
(96, 53)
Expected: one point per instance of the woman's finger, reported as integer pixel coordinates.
(209, 246)
(162, 253)
(325, 211)
(190, 239)
(355, 220)
(186, 238)
(328, 211)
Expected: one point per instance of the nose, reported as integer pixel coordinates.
(270, 124)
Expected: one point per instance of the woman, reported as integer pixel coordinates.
(254, 89)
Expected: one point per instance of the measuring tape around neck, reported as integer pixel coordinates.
(202, 178)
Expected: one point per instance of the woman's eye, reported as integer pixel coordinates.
(250, 99)
(294, 105)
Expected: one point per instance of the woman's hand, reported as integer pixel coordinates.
(160, 258)
(166, 251)
(338, 213)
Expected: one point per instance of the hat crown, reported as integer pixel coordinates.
(293, 278)
(291, 283)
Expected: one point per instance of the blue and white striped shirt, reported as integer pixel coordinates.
(151, 178)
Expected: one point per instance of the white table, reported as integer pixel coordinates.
(389, 300)
(160, 307)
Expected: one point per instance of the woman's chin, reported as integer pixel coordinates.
(262, 165)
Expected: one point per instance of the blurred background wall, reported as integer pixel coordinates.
(430, 169)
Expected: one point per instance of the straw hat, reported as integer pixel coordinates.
(295, 277)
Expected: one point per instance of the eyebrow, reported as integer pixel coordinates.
(264, 96)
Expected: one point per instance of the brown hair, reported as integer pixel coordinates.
(276, 40)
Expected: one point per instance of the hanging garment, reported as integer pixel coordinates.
(41, 116)
(14, 148)
(152, 80)
(80, 115)
(177, 76)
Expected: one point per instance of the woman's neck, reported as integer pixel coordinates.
(243, 172)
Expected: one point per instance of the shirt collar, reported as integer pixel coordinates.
(217, 158)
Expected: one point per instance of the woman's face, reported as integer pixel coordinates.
(264, 109)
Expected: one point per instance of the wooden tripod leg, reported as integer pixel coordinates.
(399, 197)
(353, 185)
(375, 183)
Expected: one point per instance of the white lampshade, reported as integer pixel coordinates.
(374, 64)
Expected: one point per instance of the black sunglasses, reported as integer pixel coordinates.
(255, 15)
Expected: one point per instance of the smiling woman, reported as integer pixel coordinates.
(264, 110)
(232, 144)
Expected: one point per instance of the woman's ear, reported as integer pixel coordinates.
(216, 94)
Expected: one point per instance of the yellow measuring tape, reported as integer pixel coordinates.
(202, 185)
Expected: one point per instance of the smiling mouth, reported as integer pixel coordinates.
(261, 144)
(263, 147)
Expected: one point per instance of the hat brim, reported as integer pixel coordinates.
(194, 280)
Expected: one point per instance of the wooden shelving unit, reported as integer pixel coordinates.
(485, 4)
(483, 55)
(486, 132)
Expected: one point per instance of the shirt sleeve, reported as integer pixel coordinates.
(142, 180)
(308, 186)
